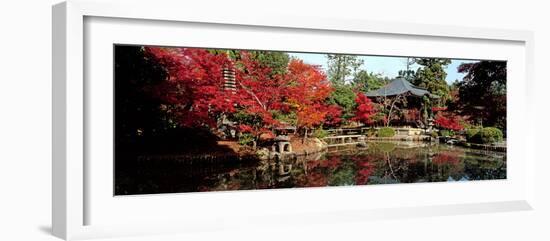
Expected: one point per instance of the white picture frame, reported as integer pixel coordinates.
(73, 189)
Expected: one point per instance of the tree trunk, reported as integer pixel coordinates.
(391, 109)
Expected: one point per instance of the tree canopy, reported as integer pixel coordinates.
(431, 75)
(482, 93)
(271, 90)
(342, 68)
(184, 87)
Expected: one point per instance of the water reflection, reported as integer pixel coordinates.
(378, 163)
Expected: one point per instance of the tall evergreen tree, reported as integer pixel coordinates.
(276, 61)
(408, 73)
(342, 68)
(365, 81)
(431, 75)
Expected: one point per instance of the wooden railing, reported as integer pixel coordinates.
(343, 140)
(363, 130)
(348, 131)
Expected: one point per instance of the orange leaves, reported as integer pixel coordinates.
(307, 92)
(307, 83)
(194, 89)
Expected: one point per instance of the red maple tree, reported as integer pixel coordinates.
(365, 109)
(192, 89)
(333, 116)
(448, 121)
(308, 88)
(259, 93)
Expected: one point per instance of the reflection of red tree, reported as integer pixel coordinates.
(363, 175)
(233, 185)
(316, 176)
(332, 162)
(317, 179)
(447, 157)
(313, 164)
(365, 168)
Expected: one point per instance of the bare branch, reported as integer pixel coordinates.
(253, 95)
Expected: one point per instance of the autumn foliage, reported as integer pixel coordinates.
(365, 109)
(306, 94)
(411, 115)
(448, 121)
(193, 91)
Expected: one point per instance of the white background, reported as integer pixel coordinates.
(25, 123)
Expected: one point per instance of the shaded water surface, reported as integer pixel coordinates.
(379, 163)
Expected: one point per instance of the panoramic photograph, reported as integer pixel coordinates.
(202, 119)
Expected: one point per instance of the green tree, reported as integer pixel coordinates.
(365, 81)
(342, 68)
(276, 61)
(482, 93)
(431, 75)
(344, 96)
(408, 73)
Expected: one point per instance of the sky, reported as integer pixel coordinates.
(385, 65)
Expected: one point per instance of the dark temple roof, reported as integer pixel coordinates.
(399, 86)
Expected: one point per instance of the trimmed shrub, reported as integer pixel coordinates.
(471, 133)
(490, 135)
(485, 135)
(386, 132)
(446, 133)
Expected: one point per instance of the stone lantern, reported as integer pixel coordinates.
(281, 144)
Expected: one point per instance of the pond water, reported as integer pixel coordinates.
(378, 163)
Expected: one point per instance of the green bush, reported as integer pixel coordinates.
(320, 133)
(446, 133)
(246, 139)
(434, 134)
(485, 135)
(490, 135)
(386, 132)
(471, 133)
(371, 132)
